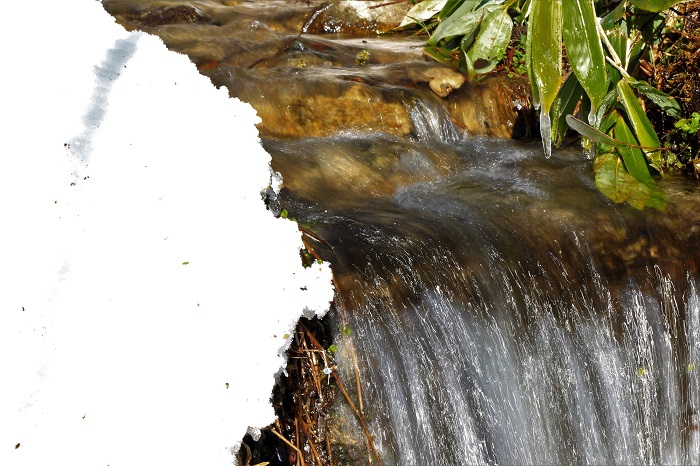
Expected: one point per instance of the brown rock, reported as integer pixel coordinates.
(496, 107)
(358, 17)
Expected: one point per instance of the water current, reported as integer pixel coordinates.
(507, 313)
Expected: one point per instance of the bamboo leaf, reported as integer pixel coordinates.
(584, 49)
(661, 99)
(634, 159)
(545, 59)
(530, 71)
(654, 5)
(591, 133)
(617, 13)
(452, 5)
(609, 101)
(491, 41)
(462, 22)
(568, 98)
(422, 11)
(618, 185)
(544, 56)
(643, 129)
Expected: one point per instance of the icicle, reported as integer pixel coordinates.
(546, 132)
(592, 117)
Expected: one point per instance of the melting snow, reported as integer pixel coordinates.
(144, 288)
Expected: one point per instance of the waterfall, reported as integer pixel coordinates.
(509, 314)
(475, 384)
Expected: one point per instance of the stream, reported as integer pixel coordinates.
(502, 311)
(509, 314)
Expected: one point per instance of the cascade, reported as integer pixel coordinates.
(508, 314)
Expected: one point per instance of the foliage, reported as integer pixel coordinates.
(676, 72)
(581, 57)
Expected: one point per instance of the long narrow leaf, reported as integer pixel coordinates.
(609, 101)
(452, 5)
(654, 5)
(544, 61)
(544, 30)
(609, 20)
(591, 133)
(634, 159)
(665, 102)
(530, 71)
(643, 129)
(584, 49)
(635, 163)
(568, 98)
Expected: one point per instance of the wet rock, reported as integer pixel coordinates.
(496, 107)
(356, 166)
(348, 107)
(167, 15)
(358, 17)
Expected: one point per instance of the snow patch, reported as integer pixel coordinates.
(146, 290)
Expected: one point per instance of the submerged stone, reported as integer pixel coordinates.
(358, 17)
(496, 107)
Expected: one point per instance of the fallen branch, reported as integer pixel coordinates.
(360, 418)
(291, 445)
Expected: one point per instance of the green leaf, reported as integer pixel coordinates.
(661, 99)
(612, 179)
(691, 125)
(591, 133)
(608, 102)
(530, 71)
(654, 5)
(568, 98)
(491, 41)
(617, 13)
(462, 22)
(584, 49)
(453, 5)
(545, 58)
(643, 129)
(422, 11)
(618, 185)
(634, 159)
(608, 122)
(467, 67)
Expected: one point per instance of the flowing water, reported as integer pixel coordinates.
(507, 313)
(502, 310)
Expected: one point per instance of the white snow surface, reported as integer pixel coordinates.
(145, 290)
